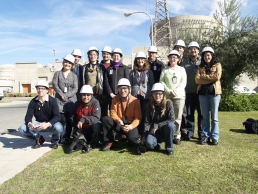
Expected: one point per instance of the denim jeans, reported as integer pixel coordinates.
(192, 103)
(57, 129)
(209, 108)
(155, 140)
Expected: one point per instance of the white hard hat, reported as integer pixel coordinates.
(117, 50)
(93, 48)
(158, 87)
(107, 49)
(179, 43)
(174, 52)
(77, 52)
(42, 83)
(69, 58)
(207, 49)
(153, 49)
(123, 82)
(140, 54)
(86, 89)
(194, 44)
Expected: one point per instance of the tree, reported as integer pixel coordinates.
(234, 39)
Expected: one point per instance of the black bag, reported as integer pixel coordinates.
(79, 143)
(251, 126)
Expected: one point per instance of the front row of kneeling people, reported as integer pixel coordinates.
(141, 114)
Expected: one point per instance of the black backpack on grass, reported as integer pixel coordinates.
(251, 125)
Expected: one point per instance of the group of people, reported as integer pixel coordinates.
(151, 103)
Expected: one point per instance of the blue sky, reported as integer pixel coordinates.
(31, 29)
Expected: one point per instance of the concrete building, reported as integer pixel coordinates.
(22, 77)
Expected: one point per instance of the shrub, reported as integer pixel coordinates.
(238, 102)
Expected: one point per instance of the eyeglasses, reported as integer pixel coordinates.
(158, 93)
(123, 88)
(76, 56)
(86, 94)
(38, 88)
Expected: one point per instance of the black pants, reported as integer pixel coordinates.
(65, 121)
(143, 103)
(109, 125)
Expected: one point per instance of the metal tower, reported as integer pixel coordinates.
(162, 29)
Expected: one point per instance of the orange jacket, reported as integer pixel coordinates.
(133, 112)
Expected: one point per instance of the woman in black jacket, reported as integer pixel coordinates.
(159, 121)
(114, 73)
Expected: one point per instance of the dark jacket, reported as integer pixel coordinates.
(113, 75)
(156, 68)
(79, 77)
(156, 118)
(49, 112)
(93, 113)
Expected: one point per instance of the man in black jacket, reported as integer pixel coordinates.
(156, 65)
(46, 112)
(85, 116)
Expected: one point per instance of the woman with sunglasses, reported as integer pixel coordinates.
(142, 80)
(159, 121)
(65, 84)
(173, 77)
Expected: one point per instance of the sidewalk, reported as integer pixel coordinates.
(16, 153)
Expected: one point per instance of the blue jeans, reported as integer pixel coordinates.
(57, 129)
(192, 103)
(209, 108)
(155, 140)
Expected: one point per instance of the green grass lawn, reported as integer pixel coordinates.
(230, 167)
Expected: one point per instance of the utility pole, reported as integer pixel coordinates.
(162, 30)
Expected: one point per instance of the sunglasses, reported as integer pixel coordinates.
(158, 93)
(86, 94)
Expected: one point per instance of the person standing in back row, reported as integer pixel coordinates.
(114, 73)
(156, 65)
(192, 100)
(77, 69)
(104, 64)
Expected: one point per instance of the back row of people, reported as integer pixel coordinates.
(173, 78)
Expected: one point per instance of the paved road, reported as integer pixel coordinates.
(12, 115)
(15, 149)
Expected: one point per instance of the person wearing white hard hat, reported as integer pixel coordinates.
(104, 64)
(159, 121)
(45, 110)
(180, 47)
(156, 65)
(77, 69)
(142, 80)
(90, 71)
(192, 100)
(85, 116)
(173, 77)
(65, 84)
(125, 116)
(209, 90)
(114, 73)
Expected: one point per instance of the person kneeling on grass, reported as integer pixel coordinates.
(124, 118)
(85, 116)
(46, 112)
(159, 121)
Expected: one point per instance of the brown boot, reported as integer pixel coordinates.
(41, 140)
(37, 144)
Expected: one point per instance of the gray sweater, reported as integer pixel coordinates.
(191, 68)
(59, 84)
(143, 87)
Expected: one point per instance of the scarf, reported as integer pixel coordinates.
(116, 64)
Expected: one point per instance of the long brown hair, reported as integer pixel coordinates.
(163, 104)
(146, 65)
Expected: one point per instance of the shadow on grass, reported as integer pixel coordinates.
(238, 130)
